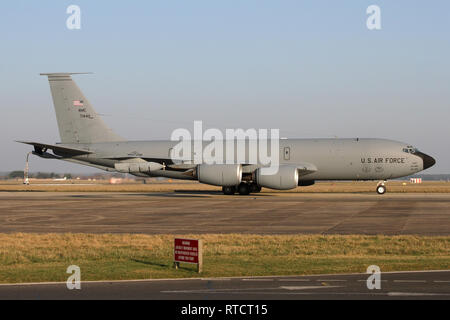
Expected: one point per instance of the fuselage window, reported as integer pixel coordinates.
(410, 150)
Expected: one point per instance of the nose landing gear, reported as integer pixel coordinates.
(381, 187)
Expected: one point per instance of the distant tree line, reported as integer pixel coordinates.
(18, 174)
(39, 175)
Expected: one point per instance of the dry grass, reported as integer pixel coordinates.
(320, 187)
(45, 257)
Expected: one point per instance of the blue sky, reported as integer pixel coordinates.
(310, 68)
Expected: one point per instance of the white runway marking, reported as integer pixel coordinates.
(393, 294)
(258, 279)
(245, 290)
(213, 290)
(307, 287)
(414, 294)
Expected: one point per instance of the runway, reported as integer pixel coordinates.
(212, 212)
(401, 285)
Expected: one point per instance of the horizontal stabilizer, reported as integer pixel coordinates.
(59, 150)
(61, 74)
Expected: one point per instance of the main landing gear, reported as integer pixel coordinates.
(381, 188)
(243, 189)
(229, 190)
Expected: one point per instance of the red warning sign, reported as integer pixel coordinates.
(186, 250)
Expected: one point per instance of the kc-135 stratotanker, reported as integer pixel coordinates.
(87, 140)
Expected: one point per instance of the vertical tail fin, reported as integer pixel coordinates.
(77, 120)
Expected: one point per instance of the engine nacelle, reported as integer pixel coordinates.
(136, 167)
(225, 175)
(286, 178)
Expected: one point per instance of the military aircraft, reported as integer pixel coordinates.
(87, 140)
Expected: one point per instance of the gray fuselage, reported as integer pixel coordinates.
(335, 159)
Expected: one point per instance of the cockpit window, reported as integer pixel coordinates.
(410, 149)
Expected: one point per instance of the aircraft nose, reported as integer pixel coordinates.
(428, 161)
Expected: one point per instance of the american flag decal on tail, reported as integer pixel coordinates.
(78, 103)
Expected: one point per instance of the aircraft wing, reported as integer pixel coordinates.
(59, 150)
(303, 168)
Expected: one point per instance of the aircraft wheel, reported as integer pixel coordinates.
(255, 188)
(381, 189)
(244, 189)
(229, 190)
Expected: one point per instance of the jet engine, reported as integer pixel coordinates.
(224, 175)
(286, 178)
